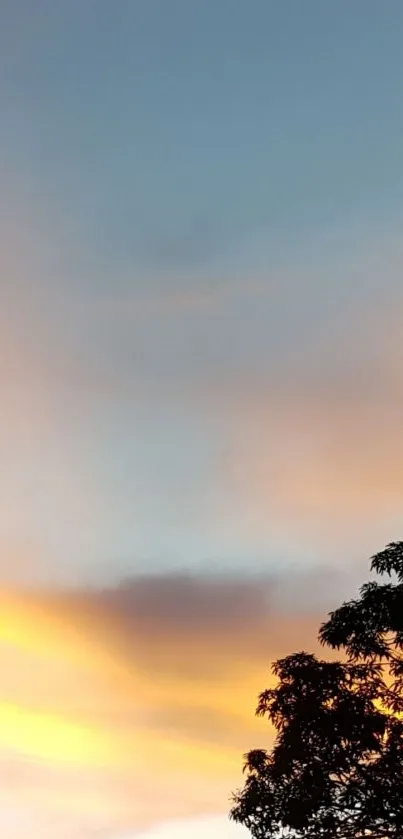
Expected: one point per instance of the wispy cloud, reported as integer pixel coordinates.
(315, 452)
(133, 705)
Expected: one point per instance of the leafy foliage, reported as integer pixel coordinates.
(371, 629)
(336, 767)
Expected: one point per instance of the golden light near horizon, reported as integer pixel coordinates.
(71, 707)
(69, 699)
(50, 737)
(59, 683)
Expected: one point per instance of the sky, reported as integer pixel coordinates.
(201, 251)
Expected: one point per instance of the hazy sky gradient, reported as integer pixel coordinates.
(201, 298)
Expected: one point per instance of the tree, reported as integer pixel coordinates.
(336, 767)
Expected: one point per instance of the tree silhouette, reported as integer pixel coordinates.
(336, 768)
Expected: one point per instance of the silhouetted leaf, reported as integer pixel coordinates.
(336, 767)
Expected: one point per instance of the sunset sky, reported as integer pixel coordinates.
(201, 254)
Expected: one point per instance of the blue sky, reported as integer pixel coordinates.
(201, 256)
(175, 134)
(197, 196)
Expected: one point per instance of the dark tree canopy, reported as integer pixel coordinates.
(336, 768)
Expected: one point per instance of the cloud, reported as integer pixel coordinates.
(209, 827)
(219, 614)
(258, 420)
(133, 705)
(314, 452)
(189, 298)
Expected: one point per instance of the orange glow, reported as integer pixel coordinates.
(111, 726)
